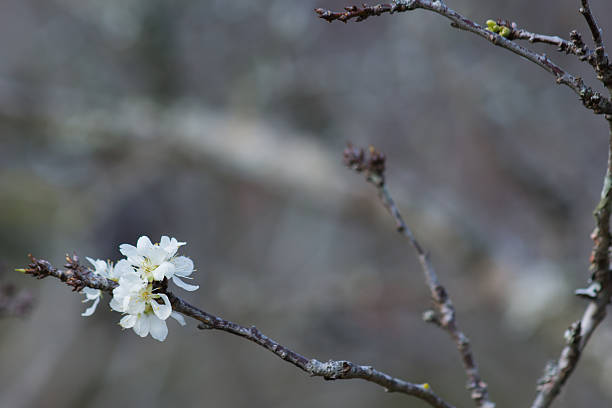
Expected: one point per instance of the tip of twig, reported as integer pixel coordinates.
(372, 164)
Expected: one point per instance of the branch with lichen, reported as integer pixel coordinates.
(79, 277)
(590, 98)
(372, 165)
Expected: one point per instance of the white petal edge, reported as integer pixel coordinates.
(161, 311)
(128, 250)
(142, 325)
(178, 317)
(116, 305)
(143, 242)
(91, 293)
(183, 265)
(159, 329)
(123, 267)
(91, 309)
(128, 321)
(178, 282)
(165, 270)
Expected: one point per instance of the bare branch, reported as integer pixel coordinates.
(590, 98)
(585, 10)
(562, 44)
(600, 62)
(575, 45)
(556, 373)
(599, 292)
(79, 277)
(373, 167)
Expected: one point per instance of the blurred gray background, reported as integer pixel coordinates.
(222, 123)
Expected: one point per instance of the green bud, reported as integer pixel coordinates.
(491, 23)
(494, 28)
(505, 32)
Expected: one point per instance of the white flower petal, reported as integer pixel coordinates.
(101, 268)
(159, 330)
(161, 311)
(178, 317)
(170, 245)
(178, 282)
(136, 305)
(125, 304)
(128, 321)
(91, 293)
(131, 252)
(142, 325)
(121, 268)
(157, 255)
(131, 282)
(128, 250)
(183, 265)
(116, 305)
(144, 242)
(91, 309)
(165, 270)
(164, 241)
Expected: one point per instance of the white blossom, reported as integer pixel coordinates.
(136, 298)
(144, 309)
(158, 261)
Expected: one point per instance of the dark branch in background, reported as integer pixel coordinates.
(79, 277)
(590, 98)
(13, 302)
(373, 167)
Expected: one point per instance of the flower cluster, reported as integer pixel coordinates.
(139, 275)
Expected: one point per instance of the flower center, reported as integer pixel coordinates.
(147, 269)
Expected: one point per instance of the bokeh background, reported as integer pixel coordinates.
(222, 123)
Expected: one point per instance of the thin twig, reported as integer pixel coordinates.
(575, 45)
(562, 44)
(373, 167)
(598, 292)
(602, 66)
(590, 98)
(585, 10)
(79, 277)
